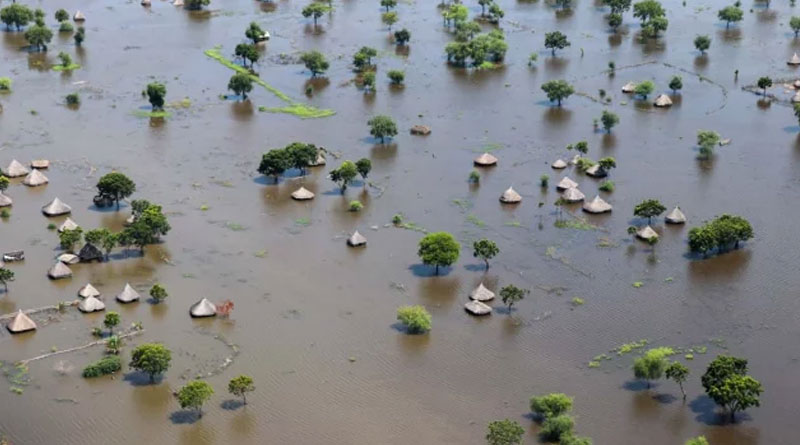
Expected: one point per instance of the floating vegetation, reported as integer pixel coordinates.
(236, 227)
(575, 223)
(606, 243)
(261, 253)
(637, 284)
(161, 114)
(577, 301)
(513, 224)
(487, 148)
(475, 220)
(594, 364)
(302, 222)
(689, 356)
(70, 67)
(630, 347)
(412, 226)
(463, 204)
(183, 103)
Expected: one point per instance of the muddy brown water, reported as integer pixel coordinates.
(305, 304)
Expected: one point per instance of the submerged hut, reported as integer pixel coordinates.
(145, 2)
(477, 308)
(68, 224)
(480, 293)
(90, 252)
(203, 308)
(597, 205)
(59, 271)
(421, 130)
(510, 196)
(319, 161)
(596, 171)
(68, 258)
(302, 194)
(646, 233)
(128, 294)
(663, 101)
(56, 207)
(21, 323)
(356, 239)
(485, 160)
(566, 183)
(675, 216)
(629, 87)
(91, 304)
(5, 200)
(14, 255)
(573, 195)
(15, 169)
(40, 163)
(795, 60)
(177, 3)
(79, 17)
(88, 291)
(35, 178)
(559, 164)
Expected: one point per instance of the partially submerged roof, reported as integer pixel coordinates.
(91, 304)
(5, 200)
(573, 195)
(68, 224)
(35, 178)
(319, 161)
(795, 60)
(302, 194)
(128, 294)
(59, 271)
(40, 163)
(596, 171)
(485, 160)
(510, 196)
(203, 308)
(79, 17)
(477, 308)
(663, 101)
(566, 183)
(68, 258)
(357, 239)
(481, 293)
(21, 323)
(646, 233)
(15, 169)
(675, 216)
(90, 252)
(558, 164)
(597, 205)
(629, 87)
(88, 291)
(56, 207)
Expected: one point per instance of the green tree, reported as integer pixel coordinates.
(575, 440)
(61, 15)
(95, 236)
(677, 372)
(702, 43)
(151, 358)
(707, 140)
(114, 345)
(115, 186)
(675, 84)
(364, 166)
(147, 227)
(614, 20)
(652, 364)
(557, 90)
(66, 60)
(68, 238)
(156, 92)
(389, 19)
(3, 183)
(609, 120)
(342, 176)
(363, 57)
(79, 36)
(607, 163)
(240, 84)
(402, 36)
(618, 6)
(504, 432)
(247, 52)
(511, 295)
(396, 76)
(109, 241)
(555, 40)
(416, 319)
(647, 10)
(194, 394)
(485, 249)
(301, 155)
(730, 14)
(484, 4)
(382, 126)
(495, 13)
(388, 4)
(368, 81)
(439, 249)
(39, 36)
(797, 111)
(764, 83)
(558, 427)
(158, 293)
(644, 89)
(274, 163)
(254, 32)
(649, 208)
(112, 319)
(17, 15)
(699, 440)
(6, 275)
(794, 23)
(455, 14)
(196, 4)
(315, 10)
(551, 405)
(315, 62)
(240, 386)
(726, 382)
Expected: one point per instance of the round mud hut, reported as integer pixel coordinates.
(88, 291)
(91, 304)
(68, 224)
(646, 233)
(90, 252)
(573, 195)
(477, 308)
(481, 293)
(510, 196)
(5, 200)
(59, 271)
(356, 240)
(35, 178)
(629, 87)
(485, 160)
(559, 164)
(663, 101)
(56, 207)
(566, 183)
(794, 60)
(302, 194)
(21, 323)
(675, 216)
(128, 294)
(68, 258)
(597, 205)
(15, 169)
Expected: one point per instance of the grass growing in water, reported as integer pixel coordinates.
(142, 113)
(578, 224)
(70, 67)
(475, 220)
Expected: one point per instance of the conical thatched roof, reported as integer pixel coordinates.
(91, 304)
(596, 171)
(40, 163)
(21, 323)
(90, 252)
(88, 291)
(68, 224)
(629, 87)
(566, 183)
(79, 17)
(574, 159)
(319, 161)
(15, 169)
(573, 195)
(646, 233)
(795, 60)
(675, 216)
(663, 101)
(302, 194)
(480, 293)
(510, 196)
(35, 178)
(177, 3)
(356, 239)
(203, 308)
(558, 164)
(485, 160)
(58, 271)
(5, 200)
(68, 258)
(56, 207)
(597, 205)
(128, 294)
(477, 308)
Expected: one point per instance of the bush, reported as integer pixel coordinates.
(5, 84)
(73, 99)
(415, 318)
(544, 180)
(104, 366)
(356, 206)
(396, 76)
(397, 219)
(474, 176)
(551, 405)
(584, 164)
(607, 186)
(554, 428)
(65, 27)
(5, 213)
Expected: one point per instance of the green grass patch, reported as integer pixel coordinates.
(637, 284)
(462, 204)
(476, 221)
(300, 110)
(594, 364)
(630, 347)
(142, 113)
(261, 253)
(70, 67)
(236, 227)
(577, 224)
(577, 301)
(303, 222)
(513, 224)
(487, 65)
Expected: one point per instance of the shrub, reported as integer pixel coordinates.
(104, 366)
(607, 186)
(5, 84)
(544, 180)
(415, 318)
(554, 428)
(396, 76)
(5, 213)
(356, 206)
(65, 27)
(397, 219)
(551, 405)
(73, 99)
(474, 176)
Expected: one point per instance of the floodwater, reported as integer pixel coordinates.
(313, 319)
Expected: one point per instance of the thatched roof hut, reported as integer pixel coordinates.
(68, 258)
(663, 101)
(480, 293)
(21, 323)
(15, 169)
(573, 195)
(79, 17)
(566, 183)
(597, 205)
(795, 60)
(14, 255)
(5, 200)
(88, 291)
(56, 207)
(485, 160)
(203, 308)
(596, 171)
(177, 3)
(91, 304)
(35, 178)
(510, 196)
(40, 163)
(319, 161)
(629, 87)
(675, 216)
(90, 252)
(68, 224)
(558, 164)
(356, 239)
(302, 194)
(128, 294)
(59, 271)
(646, 233)
(477, 308)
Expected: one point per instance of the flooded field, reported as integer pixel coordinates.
(314, 320)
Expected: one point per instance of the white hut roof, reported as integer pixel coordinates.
(646, 233)
(795, 60)
(203, 308)
(40, 163)
(510, 196)
(485, 159)
(79, 17)
(629, 87)
(597, 205)
(91, 304)
(573, 195)
(59, 270)
(663, 101)
(21, 323)
(357, 239)
(480, 293)
(128, 294)
(566, 183)
(559, 164)
(68, 258)
(477, 308)
(302, 194)
(88, 291)
(15, 169)
(145, 2)
(35, 178)
(177, 3)
(5, 200)
(675, 216)
(596, 171)
(56, 207)
(796, 97)
(319, 161)
(68, 224)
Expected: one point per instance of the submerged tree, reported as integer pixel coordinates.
(17, 15)
(6, 275)
(726, 382)
(38, 36)
(764, 83)
(439, 249)
(240, 84)
(485, 250)
(194, 395)
(274, 163)
(364, 166)
(151, 358)
(158, 293)
(156, 92)
(115, 186)
(196, 4)
(677, 372)
(402, 37)
(316, 10)
(609, 120)
(382, 126)
(794, 23)
(254, 32)
(342, 176)
(644, 89)
(675, 84)
(511, 295)
(416, 319)
(702, 43)
(730, 14)
(557, 90)
(555, 40)
(240, 386)
(112, 319)
(315, 62)
(652, 364)
(551, 405)
(649, 208)
(504, 432)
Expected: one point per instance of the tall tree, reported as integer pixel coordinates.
(511, 295)
(439, 249)
(649, 208)
(240, 84)
(485, 249)
(240, 386)
(677, 372)
(315, 10)
(115, 186)
(557, 90)
(726, 382)
(315, 62)
(382, 126)
(555, 40)
(151, 358)
(342, 176)
(194, 395)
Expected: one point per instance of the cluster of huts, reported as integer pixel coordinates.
(662, 100)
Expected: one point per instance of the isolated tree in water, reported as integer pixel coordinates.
(194, 394)
(439, 249)
(240, 386)
(115, 186)
(156, 92)
(382, 127)
(240, 84)
(485, 249)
